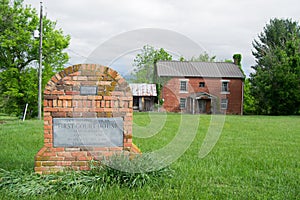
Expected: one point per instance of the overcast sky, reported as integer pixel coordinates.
(112, 31)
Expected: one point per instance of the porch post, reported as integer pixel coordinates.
(193, 106)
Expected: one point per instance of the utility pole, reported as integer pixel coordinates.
(40, 63)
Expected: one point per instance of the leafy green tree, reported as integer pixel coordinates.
(19, 52)
(275, 84)
(144, 64)
(248, 106)
(204, 57)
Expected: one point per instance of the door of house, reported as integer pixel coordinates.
(202, 106)
(147, 105)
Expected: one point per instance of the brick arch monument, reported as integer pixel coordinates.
(87, 116)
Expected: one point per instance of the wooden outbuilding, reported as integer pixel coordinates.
(144, 96)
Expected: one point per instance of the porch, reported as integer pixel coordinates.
(201, 103)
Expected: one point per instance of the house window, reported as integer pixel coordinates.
(225, 86)
(183, 86)
(182, 103)
(201, 84)
(224, 104)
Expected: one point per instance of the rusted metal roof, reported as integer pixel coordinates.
(143, 89)
(198, 69)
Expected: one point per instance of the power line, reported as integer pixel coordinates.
(80, 55)
(74, 52)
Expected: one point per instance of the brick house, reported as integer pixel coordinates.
(201, 87)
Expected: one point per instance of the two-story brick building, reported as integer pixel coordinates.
(201, 87)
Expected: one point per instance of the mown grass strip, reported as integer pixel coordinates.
(256, 157)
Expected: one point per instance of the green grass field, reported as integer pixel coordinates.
(256, 157)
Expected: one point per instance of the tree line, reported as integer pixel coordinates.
(273, 88)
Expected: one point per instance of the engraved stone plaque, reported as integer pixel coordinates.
(96, 132)
(88, 90)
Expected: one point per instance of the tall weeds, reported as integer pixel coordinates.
(101, 176)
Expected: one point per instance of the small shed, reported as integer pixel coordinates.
(144, 96)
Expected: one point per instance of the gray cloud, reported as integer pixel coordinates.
(220, 27)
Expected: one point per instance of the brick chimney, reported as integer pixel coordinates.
(237, 58)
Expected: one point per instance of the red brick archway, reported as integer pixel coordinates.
(62, 99)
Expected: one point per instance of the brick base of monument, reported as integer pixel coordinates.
(63, 99)
(52, 160)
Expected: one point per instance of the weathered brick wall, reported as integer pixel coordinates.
(171, 93)
(62, 99)
(235, 97)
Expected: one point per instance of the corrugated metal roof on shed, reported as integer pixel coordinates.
(143, 89)
(198, 69)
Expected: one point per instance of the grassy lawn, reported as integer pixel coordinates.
(256, 157)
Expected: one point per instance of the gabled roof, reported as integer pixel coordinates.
(143, 89)
(198, 69)
(202, 95)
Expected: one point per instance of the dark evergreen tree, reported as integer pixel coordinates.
(275, 82)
